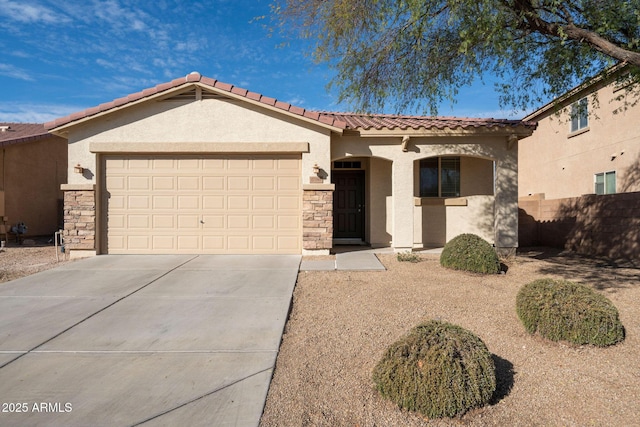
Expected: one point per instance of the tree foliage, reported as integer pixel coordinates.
(418, 53)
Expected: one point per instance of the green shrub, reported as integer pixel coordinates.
(471, 253)
(407, 257)
(564, 311)
(438, 369)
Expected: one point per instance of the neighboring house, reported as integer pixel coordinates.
(33, 166)
(583, 146)
(200, 166)
(579, 180)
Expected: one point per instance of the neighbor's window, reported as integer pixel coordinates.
(440, 177)
(605, 183)
(579, 115)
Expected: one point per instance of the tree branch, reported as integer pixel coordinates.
(532, 20)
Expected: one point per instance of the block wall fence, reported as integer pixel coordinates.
(596, 225)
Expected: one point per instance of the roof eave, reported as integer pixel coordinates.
(66, 123)
(23, 139)
(63, 128)
(577, 92)
(521, 130)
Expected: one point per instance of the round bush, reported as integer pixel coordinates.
(438, 369)
(471, 253)
(564, 311)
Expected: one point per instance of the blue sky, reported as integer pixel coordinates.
(64, 56)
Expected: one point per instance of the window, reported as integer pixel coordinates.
(579, 115)
(605, 183)
(440, 177)
(347, 165)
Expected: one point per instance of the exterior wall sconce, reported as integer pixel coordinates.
(319, 175)
(405, 141)
(78, 169)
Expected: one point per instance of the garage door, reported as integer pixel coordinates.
(204, 204)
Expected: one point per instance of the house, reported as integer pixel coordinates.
(200, 166)
(579, 180)
(33, 166)
(584, 144)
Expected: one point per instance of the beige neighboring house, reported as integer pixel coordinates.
(579, 181)
(33, 166)
(595, 150)
(200, 166)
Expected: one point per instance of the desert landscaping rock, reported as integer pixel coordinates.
(342, 322)
(22, 260)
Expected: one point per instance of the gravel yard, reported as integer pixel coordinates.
(341, 323)
(32, 257)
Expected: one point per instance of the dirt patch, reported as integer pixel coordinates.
(341, 323)
(23, 260)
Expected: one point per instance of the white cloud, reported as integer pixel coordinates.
(14, 72)
(121, 18)
(30, 12)
(35, 113)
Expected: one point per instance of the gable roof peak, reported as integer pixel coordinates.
(196, 78)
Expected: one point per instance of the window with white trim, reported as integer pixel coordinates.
(605, 182)
(440, 177)
(579, 115)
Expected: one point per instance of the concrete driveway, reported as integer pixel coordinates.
(154, 340)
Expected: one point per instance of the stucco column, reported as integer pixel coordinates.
(506, 202)
(402, 191)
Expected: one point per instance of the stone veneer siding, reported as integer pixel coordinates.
(317, 219)
(80, 219)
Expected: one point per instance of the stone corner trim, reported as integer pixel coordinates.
(319, 187)
(80, 219)
(78, 187)
(317, 219)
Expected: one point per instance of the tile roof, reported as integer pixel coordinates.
(392, 122)
(197, 78)
(342, 121)
(15, 133)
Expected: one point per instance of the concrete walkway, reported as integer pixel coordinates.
(348, 259)
(144, 340)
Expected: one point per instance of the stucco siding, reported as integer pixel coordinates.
(183, 122)
(31, 175)
(476, 217)
(476, 177)
(434, 224)
(380, 202)
(562, 164)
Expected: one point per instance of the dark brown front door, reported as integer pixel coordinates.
(348, 205)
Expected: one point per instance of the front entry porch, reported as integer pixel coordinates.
(423, 197)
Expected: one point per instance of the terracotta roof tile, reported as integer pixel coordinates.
(193, 77)
(239, 91)
(296, 110)
(314, 115)
(283, 105)
(224, 86)
(207, 80)
(254, 96)
(267, 100)
(336, 120)
(391, 122)
(15, 133)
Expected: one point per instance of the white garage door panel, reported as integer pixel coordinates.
(182, 204)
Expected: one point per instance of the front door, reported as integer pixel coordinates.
(348, 205)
